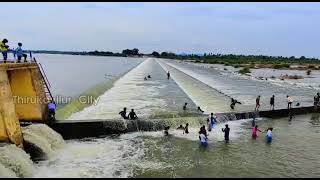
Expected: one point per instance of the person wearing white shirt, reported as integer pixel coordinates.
(290, 100)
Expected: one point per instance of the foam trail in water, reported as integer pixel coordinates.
(129, 91)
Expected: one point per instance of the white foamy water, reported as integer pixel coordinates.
(106, 157)
(214, 83)
(6, 173)
(43, 137)
(130, 91)
(118, 156)
(15, 160)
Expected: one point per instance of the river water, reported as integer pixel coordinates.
(294, 151)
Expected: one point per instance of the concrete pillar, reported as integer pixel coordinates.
(9, 123)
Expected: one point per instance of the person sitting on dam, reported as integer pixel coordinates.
(200, 110)
(19, 53)
(185, 106)
(226, 133)
(166, 130)
(145, 78)
(181, 128)
(51, 110)
(132, 115)
(149, 76)
(124, 113)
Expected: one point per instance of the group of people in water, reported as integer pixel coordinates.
(272, 102)
(212, 120)
(17, 52)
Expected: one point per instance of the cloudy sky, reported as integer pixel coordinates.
(241, 28)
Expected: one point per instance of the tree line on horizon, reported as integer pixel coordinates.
(205, 58)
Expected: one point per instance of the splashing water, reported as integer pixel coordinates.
(16, 160)
(43, 137)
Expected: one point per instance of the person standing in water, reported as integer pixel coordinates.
(290, 100)
(253, 123)
(257, 103)
(168, 75)
(203, 136)
(290, 116)
(226, 133)
(203, 130)
(132, 115)
(209, 125)
(203, 140)
(269, 135)
(316, 100)
(213, 120)
(254, 132)
(124, 113)
(186, 129)
(272, 102)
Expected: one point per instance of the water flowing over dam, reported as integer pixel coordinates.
(114, 147)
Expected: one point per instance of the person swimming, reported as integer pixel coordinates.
(233, 103)
(269, 135)
(180, 127)
(254, 132)
(199, 109)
